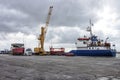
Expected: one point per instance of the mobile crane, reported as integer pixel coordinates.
(40, 49)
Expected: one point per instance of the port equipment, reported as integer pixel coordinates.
(40, 49)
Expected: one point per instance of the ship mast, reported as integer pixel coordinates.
(91, 28)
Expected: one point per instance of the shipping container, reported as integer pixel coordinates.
(17, 49)
(57, 51)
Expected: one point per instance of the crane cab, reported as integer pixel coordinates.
(39, 51)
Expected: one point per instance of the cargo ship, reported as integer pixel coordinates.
(92, 46)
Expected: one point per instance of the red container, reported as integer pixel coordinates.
(17, 48)
(19, 51)
(57, 51)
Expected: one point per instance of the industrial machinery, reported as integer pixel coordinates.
(40, 49)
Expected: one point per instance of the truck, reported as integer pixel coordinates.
(28, 52)
(17, 49)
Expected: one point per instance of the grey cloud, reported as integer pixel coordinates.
(31, 13)
(65, 36)
(65, 13)
(71, 13)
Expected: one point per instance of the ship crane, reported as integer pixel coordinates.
(40, 49)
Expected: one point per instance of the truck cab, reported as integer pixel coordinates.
(28, 52)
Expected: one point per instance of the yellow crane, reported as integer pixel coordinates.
(40, 49)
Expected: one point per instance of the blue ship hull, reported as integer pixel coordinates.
(111, 53)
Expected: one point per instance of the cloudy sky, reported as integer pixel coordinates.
(20, 21)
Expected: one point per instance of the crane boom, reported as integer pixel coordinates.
(48, 18)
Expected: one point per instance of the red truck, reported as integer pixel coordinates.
(17, 49)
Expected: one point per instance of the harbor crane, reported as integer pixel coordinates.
(40, 49)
